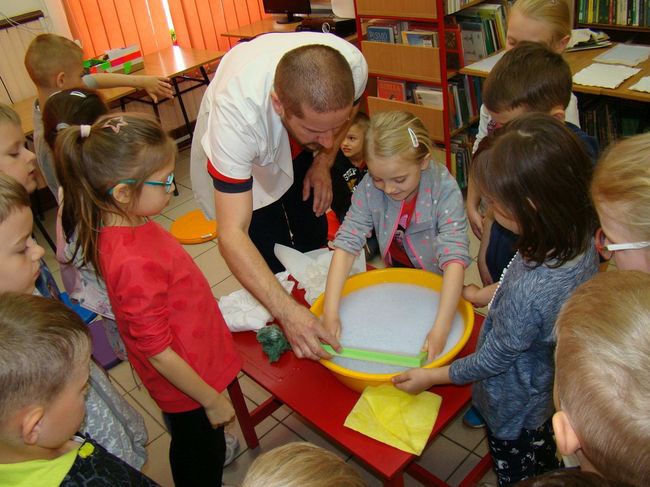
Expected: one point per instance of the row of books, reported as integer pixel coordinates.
(609, 119)
(483, 30)
(460, 152)
(634, 13)
(463, 105)
(420, 34)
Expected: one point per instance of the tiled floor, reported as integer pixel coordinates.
(450, 457)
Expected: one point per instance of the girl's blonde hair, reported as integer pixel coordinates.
(301, 465)
(622, 178)
(397, 133)
(116, 147)
(555, 13)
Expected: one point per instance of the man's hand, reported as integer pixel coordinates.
(318, 177)
(157, 87)
(219, 410)
(305, 333)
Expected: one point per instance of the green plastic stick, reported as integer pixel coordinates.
(381, 357)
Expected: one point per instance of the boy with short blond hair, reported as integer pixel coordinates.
(110, 419)
(55, 63)
(602, 376)
(44, 372)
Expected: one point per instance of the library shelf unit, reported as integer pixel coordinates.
(413, 64)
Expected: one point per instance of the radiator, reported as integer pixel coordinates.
(15, 35)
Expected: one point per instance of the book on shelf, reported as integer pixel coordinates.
(493, 18)
(631, 13)
(391, 89)
(428, 96)
(389, 31)
(473, 41)
(421, 38)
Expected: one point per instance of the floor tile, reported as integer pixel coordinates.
(370, 478)
(442, 457)
(213, 266)
(253, 391)
(489, 478)
(463, 469)
(157, 466)
(229, 285)
(482, 448)
(466, 437)
(182, 169)
(154, 430)
(261, 429)
(176, 211)
(123, 375)
(299, 426)
(143, 398)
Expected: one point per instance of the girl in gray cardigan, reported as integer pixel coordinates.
(536, 176)
(416, 210)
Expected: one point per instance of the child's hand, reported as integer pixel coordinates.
(333, 325)
(435, 342)
(414, 381)
(219, 410)
(157, 87)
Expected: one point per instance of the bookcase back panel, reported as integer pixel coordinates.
(423, 9)
(432, 118)
(412, 62)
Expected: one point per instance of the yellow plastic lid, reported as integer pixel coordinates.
(194, 228)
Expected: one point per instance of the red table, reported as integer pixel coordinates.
(313, 392)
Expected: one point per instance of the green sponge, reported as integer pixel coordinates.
(273, 342)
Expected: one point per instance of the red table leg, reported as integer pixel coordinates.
(243, 416)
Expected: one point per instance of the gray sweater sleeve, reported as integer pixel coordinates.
(517, 330)
(357, 224)
(452, 242)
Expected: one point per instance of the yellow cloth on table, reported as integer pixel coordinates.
(395, 417)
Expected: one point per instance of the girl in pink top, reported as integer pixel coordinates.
(119, 173)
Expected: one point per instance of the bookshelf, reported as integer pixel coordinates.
(427, 72)
(623, 20)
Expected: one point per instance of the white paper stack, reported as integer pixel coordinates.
(604, 75)
(626, 54)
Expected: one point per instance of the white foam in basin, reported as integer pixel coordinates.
(390, 318)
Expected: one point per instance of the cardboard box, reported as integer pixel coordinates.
(125, 60)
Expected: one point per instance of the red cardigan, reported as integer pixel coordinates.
(161, 299)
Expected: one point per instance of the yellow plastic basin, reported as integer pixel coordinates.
(360, 380)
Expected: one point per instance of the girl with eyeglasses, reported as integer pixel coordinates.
(117, 175)
(621, 194)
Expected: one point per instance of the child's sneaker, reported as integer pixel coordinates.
(232, 447)
(473, 419)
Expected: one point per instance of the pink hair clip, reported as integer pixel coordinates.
(115, 124)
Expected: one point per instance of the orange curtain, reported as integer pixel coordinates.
(110, 24)
(200, 23)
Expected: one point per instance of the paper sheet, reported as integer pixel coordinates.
(627, 54)
(642, 85)
(486, 65)
(604, 75)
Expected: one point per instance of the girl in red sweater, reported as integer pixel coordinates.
(118, 174)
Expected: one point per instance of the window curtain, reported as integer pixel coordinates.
(110, 24)
(200, 23)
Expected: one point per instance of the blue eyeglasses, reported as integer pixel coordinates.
(167, 183)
